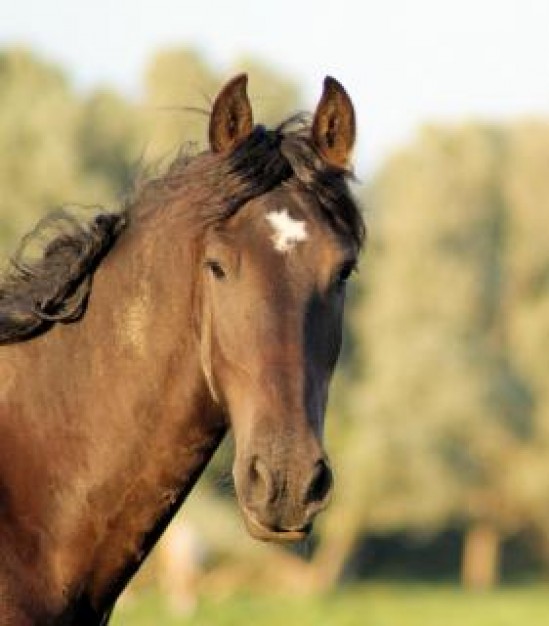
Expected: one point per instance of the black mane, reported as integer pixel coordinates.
(50, 276)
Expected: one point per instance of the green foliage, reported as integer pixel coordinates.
(109, 140)
(37, 144)
(526, 309)
(179, 87)
(453, 334)
(51, 144)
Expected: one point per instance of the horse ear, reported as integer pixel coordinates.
(231, 120)
(334, 126)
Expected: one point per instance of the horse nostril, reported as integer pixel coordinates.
(320, 485)
(261, 482)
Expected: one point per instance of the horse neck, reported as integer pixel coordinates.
(126, 388)
(155, 331)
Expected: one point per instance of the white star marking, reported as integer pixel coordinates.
(288, 231)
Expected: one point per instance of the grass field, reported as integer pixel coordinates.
(367, 605)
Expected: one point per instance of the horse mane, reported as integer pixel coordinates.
(50, 277)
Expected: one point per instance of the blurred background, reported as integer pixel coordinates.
(438, 425)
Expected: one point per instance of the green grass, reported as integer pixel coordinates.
(367, 605)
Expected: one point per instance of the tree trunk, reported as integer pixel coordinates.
(480, 556)
(329, 562)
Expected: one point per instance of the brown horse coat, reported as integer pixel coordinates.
(217, 300)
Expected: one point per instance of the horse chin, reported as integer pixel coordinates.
(282, 535)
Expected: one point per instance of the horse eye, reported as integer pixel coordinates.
(215, 268)
(345, 273)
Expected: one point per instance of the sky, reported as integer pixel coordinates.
(404, 62)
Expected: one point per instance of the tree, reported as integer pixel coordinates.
(38, 118)
(526, 190)
(179, 88)
(110, 141)
(445, 401)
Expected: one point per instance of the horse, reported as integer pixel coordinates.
(133, 339)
